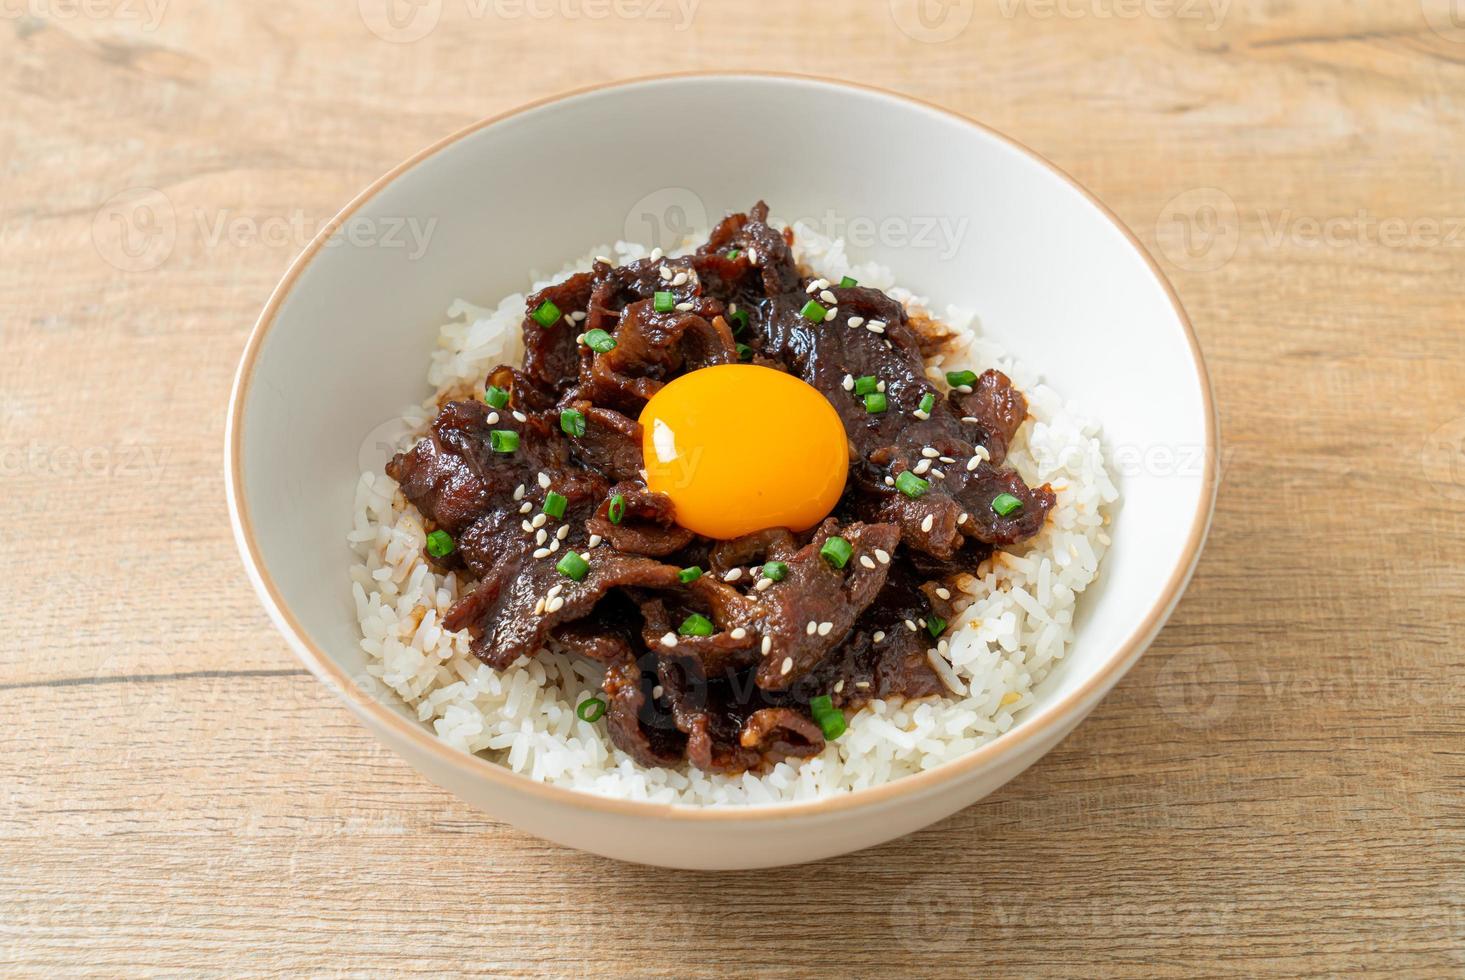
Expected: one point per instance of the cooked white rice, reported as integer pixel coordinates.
(1017, 628)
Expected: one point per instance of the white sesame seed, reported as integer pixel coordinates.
(520, 417)
(656, 254)
(943, 647)
(983, 453)
(848, 384)
(519, 492)
(862, 684)
(555, 590)
(920, 622)
(733, 575)
(665, 273)
(839, 686)
(938, 474)
(569, 319)
(921, 467)
(879, 635)
(890, 481)
(738, 633)
(910, 625)
(539, 608)
(525, 508)
(928, 523)
(528, 528)
(544, 479)
(946, 459)
(867, 561)
(920, 414)
(602, 258)
(827, 296)
(882, 556)
(540, 537)
(680, 279)
(944, 593)
(857, 321)
(813, 285)
(929, 453)
(554, 605)
(831, 313)
(563, 532)
(539, 520)
(683, 307)
(752, 255)
(874, 329)
(962, 517)
(973, 463)
(964, 389)
(767, 645)
(541, 552)
(788, 665)
(554, 546)
(493, 418)
(669, 640)
(658, 691)
(812, 628)
(579, 338)
(880, 387)
(585, 555)
(826, 628)
(595, 540)
(762, 584)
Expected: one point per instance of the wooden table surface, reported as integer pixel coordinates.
(1276, 788)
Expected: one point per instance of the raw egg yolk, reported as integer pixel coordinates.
(739, 448)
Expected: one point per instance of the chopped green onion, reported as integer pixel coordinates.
(591, 709)
(911, 485)
(572, 422)
(733, 253)
(958, 378)
(495, 396)
(572, 565)
(813, 312)
(775, 570)
(547, 314)
(846, 282)
(600, 341)
(935, 625)
(503, 440)
(663, 302)
(690, 574)
(867, 385)
(440, 544)
(695, 625)
(829, 718)
(928, 402)
(745, 353)
(836, 551)
(739, 319)
(875, 403)
(617, 509)
(1005, 503)
(554, 504)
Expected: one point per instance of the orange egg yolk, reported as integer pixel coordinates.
(739, 448)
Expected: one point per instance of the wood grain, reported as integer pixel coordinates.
(1276, 788)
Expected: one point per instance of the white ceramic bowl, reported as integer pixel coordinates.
(344, 341)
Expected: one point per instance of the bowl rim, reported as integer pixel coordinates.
(1026, 733)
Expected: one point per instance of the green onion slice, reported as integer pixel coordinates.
(1005, 503)
(867, 385)
(876, 402)
(935, 625)
(691, 574)
(958, 378)
(695, 625)
(495, 396)
(928, 402)
(775, 570)
(591, 709)
(829, 718)
(846, 282)
(572, 422)
(554, 504)
(547, 314)
(836, 551)
(617, 509)
(440, 544)
(733, 253)
(739, 319)
(663, 302)
(572, 565)
(745, 353)
(600, 341)
(911, 485)
(813, 312)
(503, 440)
